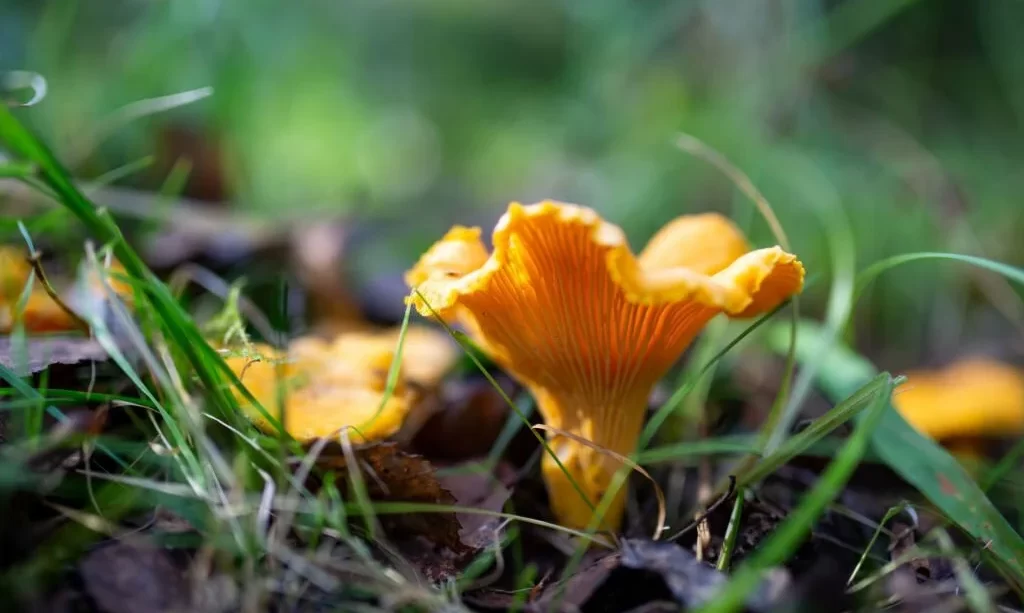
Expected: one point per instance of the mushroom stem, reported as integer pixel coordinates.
(612, 427)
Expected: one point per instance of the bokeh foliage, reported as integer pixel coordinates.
(906, 115)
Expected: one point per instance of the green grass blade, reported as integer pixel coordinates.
(677, 451)
(824, 198)
(817, 430)
(16, 170)
(22, 142)
(731, 532)
(781, 544)
(871, 272)
(892, 512)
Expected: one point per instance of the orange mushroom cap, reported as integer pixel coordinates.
(972, 398)
(330, 385)
(564, 306)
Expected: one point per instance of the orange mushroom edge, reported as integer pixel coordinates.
(962, 406)
(564, 306)
(328, 385)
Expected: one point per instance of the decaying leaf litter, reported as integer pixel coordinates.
(163, 458)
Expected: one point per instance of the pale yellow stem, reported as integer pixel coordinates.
(612, 426)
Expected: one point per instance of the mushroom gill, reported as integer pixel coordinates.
(330, 385)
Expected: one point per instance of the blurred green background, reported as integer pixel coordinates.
(897, 122)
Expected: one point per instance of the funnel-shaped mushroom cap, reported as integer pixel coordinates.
(330, 385)
(973, 398)
(564, 306)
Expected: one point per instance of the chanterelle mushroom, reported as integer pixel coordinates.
(332, 384)
(564, 306)
(970, 399)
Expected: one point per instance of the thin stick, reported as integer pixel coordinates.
(34, 260)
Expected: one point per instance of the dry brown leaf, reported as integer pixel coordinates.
(393, 475)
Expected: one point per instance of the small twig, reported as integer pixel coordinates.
(703, 541)
(34, 260)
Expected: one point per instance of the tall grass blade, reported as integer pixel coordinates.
(785, 539)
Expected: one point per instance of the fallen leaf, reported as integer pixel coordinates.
(692, 582)
(64, 600)
(578, 589)
(478, 490)
(393, 475)
(611, 581)
(45, 351)
(128, 578)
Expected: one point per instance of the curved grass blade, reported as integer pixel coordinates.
(674, 401)
(869, 274)
(825, 199)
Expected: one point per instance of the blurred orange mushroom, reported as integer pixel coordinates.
(565, 307)
(967, 402)
(328, 385)
(41, 313)
(14, 271)
(427, 354)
